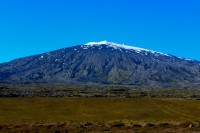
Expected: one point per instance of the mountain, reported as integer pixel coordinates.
(103, 63)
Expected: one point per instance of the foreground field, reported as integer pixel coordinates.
(59, 111)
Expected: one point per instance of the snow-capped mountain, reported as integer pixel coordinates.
(103, 63)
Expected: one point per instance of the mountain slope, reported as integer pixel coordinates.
(103, 63)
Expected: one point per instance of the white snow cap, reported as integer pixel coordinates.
(121, 46)
(115, 45)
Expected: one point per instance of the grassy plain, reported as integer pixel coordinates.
(63, 115)
(53, 110)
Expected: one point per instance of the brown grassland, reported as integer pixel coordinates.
(99, 115)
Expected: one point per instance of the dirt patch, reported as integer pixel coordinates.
(101, 127)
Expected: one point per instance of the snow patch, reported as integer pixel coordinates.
(187, 59)
(120, 46)
(41, 57)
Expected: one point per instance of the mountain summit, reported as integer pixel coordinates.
(103, 63)
(119, 46)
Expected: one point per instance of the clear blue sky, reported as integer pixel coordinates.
(29, 27)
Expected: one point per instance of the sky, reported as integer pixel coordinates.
(29, 27)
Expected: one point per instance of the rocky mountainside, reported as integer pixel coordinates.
(103, 63)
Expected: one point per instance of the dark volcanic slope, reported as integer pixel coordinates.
(103, 63)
